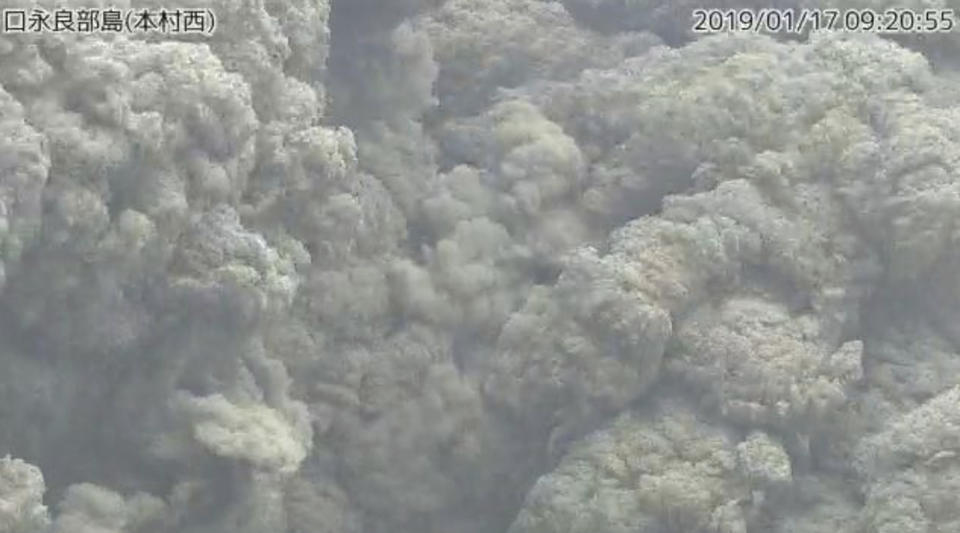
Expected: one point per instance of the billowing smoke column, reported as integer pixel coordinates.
(475, 266)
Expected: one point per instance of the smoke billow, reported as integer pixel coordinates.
(472, 266)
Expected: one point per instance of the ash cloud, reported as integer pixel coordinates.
(472, 266)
